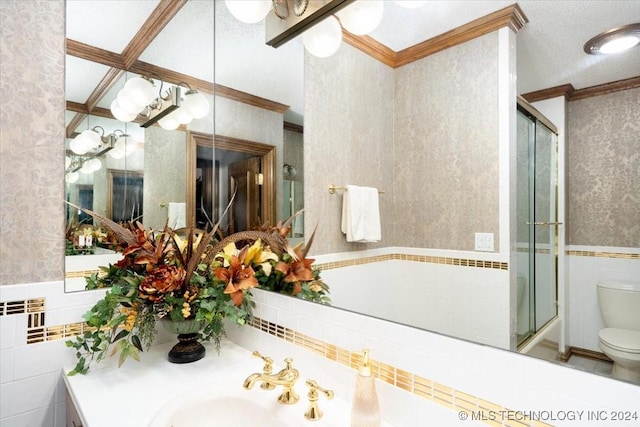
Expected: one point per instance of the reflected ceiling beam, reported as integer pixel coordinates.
(119, 63)
(111, 59)
(247, 98)
(103, 87)
(159, 18)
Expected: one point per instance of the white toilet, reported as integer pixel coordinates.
(620, 340)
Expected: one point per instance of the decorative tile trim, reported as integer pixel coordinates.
(425, 388)
(21, 307)
(604, 254)
(81, 274)
(415, 258)
(37, 332)
(480, 409)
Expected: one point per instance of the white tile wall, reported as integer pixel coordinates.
(585, 272)
(514, 381)
(467, 302)
(30, 375)
(31, 387)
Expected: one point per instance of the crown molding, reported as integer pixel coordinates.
(572, 94)
(603, 89)
(565, 90)
(510, 16)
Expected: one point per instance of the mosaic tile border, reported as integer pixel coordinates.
(35, 305)
(457, 400)
(415, 258)
(603, 254)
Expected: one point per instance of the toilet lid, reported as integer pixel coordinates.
(621, 339)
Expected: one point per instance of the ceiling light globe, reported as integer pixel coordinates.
(169, 122)
(95, 164)
(182, 116)
(86, 168)
(619, 44)
(71, 177)
(249, 11)
(78, 145)
(116, 153)
(323, 39)
(361, 17)
(92, 139)
(128, 103)
(125, 145)
(121, 114)
(195, 104)
(141, 91)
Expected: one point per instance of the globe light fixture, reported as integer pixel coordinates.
(249, 11)
(323, 39)
(362, 16)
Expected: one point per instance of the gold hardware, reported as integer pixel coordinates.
(259, 179)
(287, 378)
(333, 188)
(267, 370)
(314, 412)
(543, 223)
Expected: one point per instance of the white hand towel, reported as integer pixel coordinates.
(361, 214)
(177, 215)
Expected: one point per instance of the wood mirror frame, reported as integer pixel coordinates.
(268, 165)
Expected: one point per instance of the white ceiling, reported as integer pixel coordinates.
(549, 47)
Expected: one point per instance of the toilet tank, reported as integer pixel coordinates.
(619, 303)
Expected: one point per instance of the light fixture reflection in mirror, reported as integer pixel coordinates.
(249, 11)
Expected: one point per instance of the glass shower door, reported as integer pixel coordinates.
(536, 225)
(544, 224)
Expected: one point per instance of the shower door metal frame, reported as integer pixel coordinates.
(537, 118)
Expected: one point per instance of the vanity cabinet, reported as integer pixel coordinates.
(73, 419)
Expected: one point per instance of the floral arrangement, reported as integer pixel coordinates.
(168, 275)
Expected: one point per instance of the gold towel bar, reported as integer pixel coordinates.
(334, 188)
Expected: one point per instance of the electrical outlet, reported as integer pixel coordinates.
(484, 242)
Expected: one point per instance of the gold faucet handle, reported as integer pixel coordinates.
(268, 362)
(314, 412)
(267, 369)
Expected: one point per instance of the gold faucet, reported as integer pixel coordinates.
(314, 412)
(286, 378)
(267, 370)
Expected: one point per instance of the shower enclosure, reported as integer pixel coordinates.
(537, 223)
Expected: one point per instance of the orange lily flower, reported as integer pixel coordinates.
(238, 278)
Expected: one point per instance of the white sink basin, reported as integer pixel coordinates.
(220, 411)
(232, 406)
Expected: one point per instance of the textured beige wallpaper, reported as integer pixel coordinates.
(31, 141)
(446, 147)
(604, 170)
(348, 140)
(165, 160)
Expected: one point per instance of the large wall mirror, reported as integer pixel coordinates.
(259, 103)
(183, 176)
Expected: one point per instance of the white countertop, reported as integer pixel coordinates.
(133, 394)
